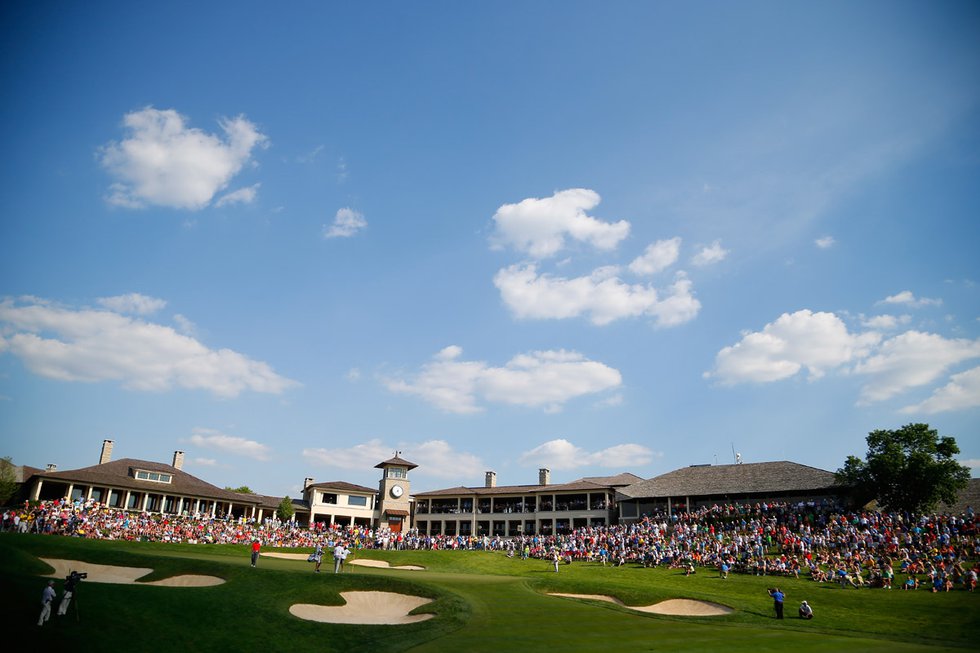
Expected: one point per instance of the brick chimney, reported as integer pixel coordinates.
(179, 459)
(106, 452)
(491, 479)
(307, 482)
(51, 467)
(544, 476)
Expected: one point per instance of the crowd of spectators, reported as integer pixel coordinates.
(824, 543)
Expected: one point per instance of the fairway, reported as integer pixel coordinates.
(461, 601)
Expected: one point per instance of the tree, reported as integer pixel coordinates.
(909, 469)
(285, 510)
(8, 480)
(241, 490)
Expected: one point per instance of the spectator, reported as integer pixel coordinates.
(806, 612)
(777, 600)
(47, 597)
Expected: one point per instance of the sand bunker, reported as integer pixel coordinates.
(125, 575)
(676, 607)
(287, 556)
(375, 608)
(384, 564)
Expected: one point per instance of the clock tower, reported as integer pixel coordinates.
(393, 494)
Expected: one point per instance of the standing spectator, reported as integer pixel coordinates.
(343, 557)
(47, 597)
(338, 556)
(318, 556)
(777, 598)
(256, 546)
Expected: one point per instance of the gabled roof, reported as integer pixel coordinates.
(343, 486)
(968, 497)
(397, 461)
(619, 480)
(119, 474)
(738, 480)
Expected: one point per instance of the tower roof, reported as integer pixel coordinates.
(397, 460)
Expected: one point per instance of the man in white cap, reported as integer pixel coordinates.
(806, 612)
(47, 598)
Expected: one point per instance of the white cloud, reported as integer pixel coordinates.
(539, 226)
(615, 400)
(184, 325)
(601, 295)
(972, 463)
(962, 392)
(906, 298)
(561, 454)
(134, 303)
(440, 460)
(164, 162)
(820, 342)
(358, 457)
(310, 156)
(816, 342)
(540, 379)
(436, 457)
(885, 322)
(709, 255)
(826, 242)
(229, 444)
(244, 195)
(100, 345)
(910, 360)
(656, 257)
(346, 223)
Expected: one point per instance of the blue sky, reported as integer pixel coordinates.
(593, 237)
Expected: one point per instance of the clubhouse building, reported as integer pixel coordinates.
(543, 508)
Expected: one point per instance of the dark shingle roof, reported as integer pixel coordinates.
(396, 460)
(968, 497)
(619, 480)
(747, 478)
(344, 486)
(119, 474)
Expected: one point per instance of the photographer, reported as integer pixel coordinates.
(71, 580)
(777, 598)
(47, 598)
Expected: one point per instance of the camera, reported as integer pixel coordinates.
(76, 576)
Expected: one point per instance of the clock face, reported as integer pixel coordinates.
(396, 491)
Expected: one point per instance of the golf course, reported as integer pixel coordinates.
(142, 596)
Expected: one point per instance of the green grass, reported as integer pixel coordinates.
(482, 602)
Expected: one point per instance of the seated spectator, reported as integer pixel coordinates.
(806, 612)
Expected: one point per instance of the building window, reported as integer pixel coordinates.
(329, 498)
(156, 477)
(397, 472)
(356, 501)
